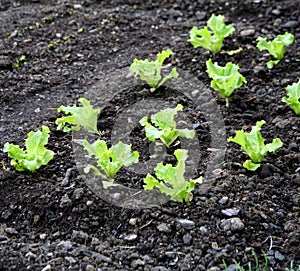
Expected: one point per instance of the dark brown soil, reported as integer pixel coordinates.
(51, 220)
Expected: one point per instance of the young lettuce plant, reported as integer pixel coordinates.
(204, 38)
(170, 180)
(84, 116)
(164, 126)
(293, 99)
(35, 154)
(276, 47)
(253, 144)
(110, 160)
(224, 79)
(150, 71)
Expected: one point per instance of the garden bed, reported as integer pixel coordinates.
(51, 220)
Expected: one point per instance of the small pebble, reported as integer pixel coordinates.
(279, 256)
(47, 268)
(163, 227)
(247, 32)
(90, 268)
(232, 224)
(187, 239)
(64, 245)
(11, 231)
(186, 223)
(223, 200)
(132, 221)
(130, 237)
(231, 212)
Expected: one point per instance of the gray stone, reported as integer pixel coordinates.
(163, 227)
(232, 224)
(47, 268)
(11, 231)
(101, 258)
(136, 263)
(130, 237)
(279, 256)
(290, 24)
(231, 212)
(70, 259)
(223, 200)
(247, 32)
(64, 245)
(186, 223)
(187, 239)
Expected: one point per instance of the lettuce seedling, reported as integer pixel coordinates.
(253, 144)
(84, 116)
(211, 40)
(35, 154)
(150, 71)
(275, 47)
(112, 159)
(293, 99)
(170, 180)
(225, 79)
(164, 126)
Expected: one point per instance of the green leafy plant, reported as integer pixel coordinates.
(150, 71)
(212, 39)
(253, 144)
(257, 267)
(276, 47)
(293, 99)
(170, 180)
(84, 116)
(35, 154)
(18, 61)
(164, 126)
(224, 79)
(112, 159)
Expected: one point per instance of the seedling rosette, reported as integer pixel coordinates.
(253, 144)
(150, 71)
(170, 180)
(293, 99)
(85, 116)
(276, 47)
(163, 126)
(110, 160)
(224, 79)
(212, 39)
(35, 154)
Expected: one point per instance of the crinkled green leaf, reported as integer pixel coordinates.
(35, 154)
(276, 47)
(219, 28)
(224, 79)
(110, 160)
(163, 126)
(253, 144)
(150, 71)
(204, 38)
(293, 99)
(170, 180)
(248, 164)
(84, 116)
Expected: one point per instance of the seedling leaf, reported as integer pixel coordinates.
(84, 116)
(293, 99)
(170, 180)
(253, 144)
(35, 154)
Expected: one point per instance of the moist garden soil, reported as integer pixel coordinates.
(51, 220)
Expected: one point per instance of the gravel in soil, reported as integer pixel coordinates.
(51, 220)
